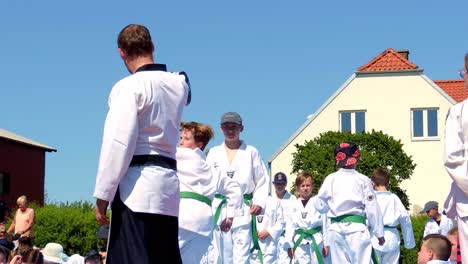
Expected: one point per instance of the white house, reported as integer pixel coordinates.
(393, 95)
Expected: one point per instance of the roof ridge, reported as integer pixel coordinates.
(372, 65)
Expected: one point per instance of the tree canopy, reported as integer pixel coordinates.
(377, 150)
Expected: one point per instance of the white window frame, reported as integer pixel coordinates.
(425, 136)
(353, 120)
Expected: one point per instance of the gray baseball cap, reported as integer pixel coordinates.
(231, 117)
(428, 206)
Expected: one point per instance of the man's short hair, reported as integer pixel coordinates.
(135, 41)
(440, 245)
(380, 177)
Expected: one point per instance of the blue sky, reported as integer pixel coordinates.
(275, 62)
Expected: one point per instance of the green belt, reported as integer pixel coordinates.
(253, 223)
(303, 233)
(196, 196)
(355, 219)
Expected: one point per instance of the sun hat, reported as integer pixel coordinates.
(428, 206)
(53, 252)
(346, 154)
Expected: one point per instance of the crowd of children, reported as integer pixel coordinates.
(352, 219)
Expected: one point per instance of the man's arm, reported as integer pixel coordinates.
(260, 193)
(454, 157)
(118, 146)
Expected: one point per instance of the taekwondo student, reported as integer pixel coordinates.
(456, 164)
(286, 201)
(137, 166)
(243, 164)
(437, 223)
(198, 185)
(348, 198)
(304, 231)
(270, 225)
(394, 215)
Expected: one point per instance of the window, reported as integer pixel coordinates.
(424, 123)
(4, 183)
(353, 121)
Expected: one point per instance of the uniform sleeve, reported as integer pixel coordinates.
(118, 144)
(374, 216)
(261, 178)
(230, 189)
(427, 229)
(325, 224)
(455, 160)
(324, 194)
(278, 227)
(289, 233)
(406, 226)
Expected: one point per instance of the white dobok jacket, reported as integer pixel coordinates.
(195, 175)
(247, 169)
(456, 159)
(348, 192)
(271, 218)
(394, 214)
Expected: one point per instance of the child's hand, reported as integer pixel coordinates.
(325, 251)
(290, 253)
(381, 240)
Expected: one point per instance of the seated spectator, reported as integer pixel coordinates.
(53, 253)
(5, 238)
(93, 257)
(453, 238)
(33, 256)
(24, 247)
(438, 223)
(4, 210)
(3, 255)
(24, 219)
(103, 234)
(75, 259)
(435, 249)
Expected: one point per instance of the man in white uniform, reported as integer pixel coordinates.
(243, 164)
(137, 166)
(437, 223)
(394, 215)
(456, 164)
(348, 199)
(286, 201)
(198, 185)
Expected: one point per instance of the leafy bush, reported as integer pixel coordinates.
(71, 225)
(377, 150)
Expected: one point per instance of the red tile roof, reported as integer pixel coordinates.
(454, 88)
(389, 60)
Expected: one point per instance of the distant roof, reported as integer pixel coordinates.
(389, 60)
(22, 140)
(454, 88)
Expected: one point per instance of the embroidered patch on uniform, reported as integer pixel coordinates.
(259, 218)
(230, 174)
(370, 198)
(304, 215)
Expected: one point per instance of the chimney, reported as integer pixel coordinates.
(404, 53)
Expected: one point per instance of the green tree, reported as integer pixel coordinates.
(377, 150)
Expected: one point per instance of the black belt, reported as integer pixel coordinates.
(155, 160)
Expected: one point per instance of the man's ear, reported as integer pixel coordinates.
(122, 54)
(242, 128)
(431, 254)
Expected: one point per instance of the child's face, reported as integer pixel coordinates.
(280, 187)
(305, 189)
(432, 213)
(453, 241)
(231, 131)
(424, 254)
(187, 140)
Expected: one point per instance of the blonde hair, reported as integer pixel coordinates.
(302, 177)
(22, 200)
(201, 133)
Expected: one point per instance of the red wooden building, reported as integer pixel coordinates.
(22, 168)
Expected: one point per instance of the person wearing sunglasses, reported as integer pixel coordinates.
(456, 164)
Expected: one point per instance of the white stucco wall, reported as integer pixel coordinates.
(388, 99)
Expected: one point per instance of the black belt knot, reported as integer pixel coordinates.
(154, 160)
